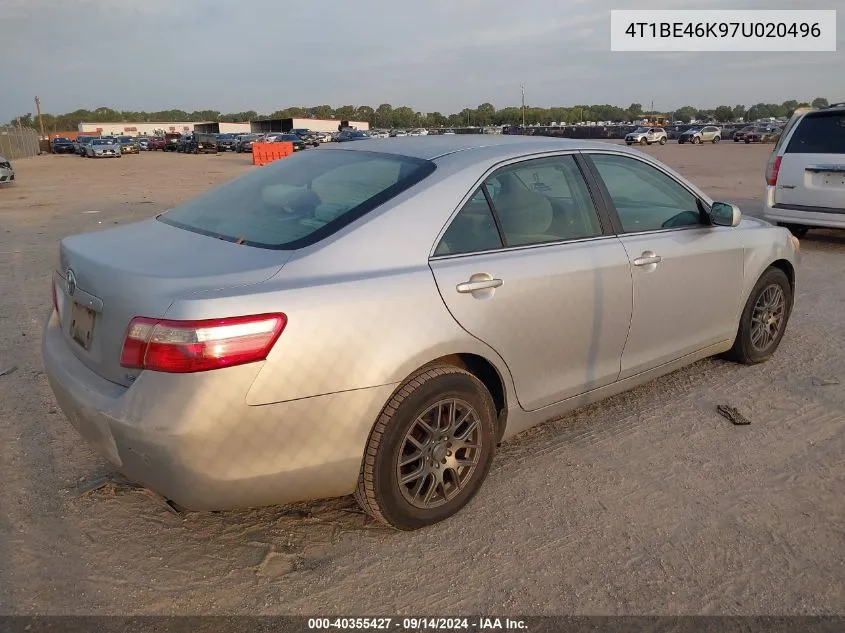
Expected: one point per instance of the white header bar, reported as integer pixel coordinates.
(723, 30)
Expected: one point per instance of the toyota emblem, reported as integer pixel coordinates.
(70, 279)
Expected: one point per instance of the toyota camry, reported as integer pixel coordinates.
(375, 318)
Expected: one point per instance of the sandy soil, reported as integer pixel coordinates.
(649, 503)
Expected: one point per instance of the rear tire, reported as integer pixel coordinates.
(643, 141)
(797, 230)
(423, 417)
(696, 141)
(716, 139)
(764, 319)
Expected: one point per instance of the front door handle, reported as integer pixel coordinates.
(647, 258)
(482, 284)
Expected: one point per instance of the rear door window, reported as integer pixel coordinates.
(297, 201)
(819, 133)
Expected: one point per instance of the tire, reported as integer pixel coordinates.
(798, 230)
(716, 139)
(696, 140)
(379, 491)
(643, 141)
(627, 143)
(744, 350)
(748, 141)
(680, 142)
(663, 141)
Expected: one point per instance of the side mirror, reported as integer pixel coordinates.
(725, 214)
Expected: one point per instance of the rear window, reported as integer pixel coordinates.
(819, 133)
(300, 200)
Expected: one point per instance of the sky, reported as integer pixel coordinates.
(436, 55)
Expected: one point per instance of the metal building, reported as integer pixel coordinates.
(315, 125)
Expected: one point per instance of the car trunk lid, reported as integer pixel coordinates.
(104, 279)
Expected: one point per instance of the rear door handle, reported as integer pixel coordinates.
(645, 260)
(483, 284)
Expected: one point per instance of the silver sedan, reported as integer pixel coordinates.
(376, 317)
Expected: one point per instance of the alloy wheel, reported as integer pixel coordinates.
(767, 317)
(439, 453)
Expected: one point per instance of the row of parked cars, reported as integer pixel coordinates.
(756, 133)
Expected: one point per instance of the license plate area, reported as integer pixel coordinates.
(82, 325)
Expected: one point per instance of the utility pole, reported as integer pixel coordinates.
(523, 103)
(40, 120)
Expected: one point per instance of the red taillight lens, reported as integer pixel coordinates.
(191, 346)
(773, 175)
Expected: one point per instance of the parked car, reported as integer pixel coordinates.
(158, 143)
(144, 144)
(172, 141)
(307, 136)
(200, 143)
(739, 135)
(103, 148)
(805, 175)
(298, 143)
(61, 145)
(245, 143)
(352, 135)
(647, 135)
(398, 133)
(82, 143)
(302, 351)
(762, 134)
(226, 142)
(698, 135)
(128, 145)
(7, 174)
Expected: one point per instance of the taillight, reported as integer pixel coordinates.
(191, 346)
(773, 174)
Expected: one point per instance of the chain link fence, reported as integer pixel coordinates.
(18, 142)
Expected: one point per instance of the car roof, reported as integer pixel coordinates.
(436, 146)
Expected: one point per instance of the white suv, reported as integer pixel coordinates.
(806, 172)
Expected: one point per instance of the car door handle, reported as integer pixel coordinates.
(482, 284)
(645, 260)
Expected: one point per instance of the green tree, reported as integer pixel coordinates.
(323, 112)
(724, 114)
(739, 112)
(685, 114)
(635, 110)
(384, 115)
(365, 113)
(484, 114)
(820, 102)
(404, 116)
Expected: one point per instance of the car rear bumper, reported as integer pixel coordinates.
(7, 176)
(802, 215)
(193, 439)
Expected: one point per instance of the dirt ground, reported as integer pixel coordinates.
(648, 503)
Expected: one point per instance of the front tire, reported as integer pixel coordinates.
(663, 141)
(764, 319)
(430, 449)
(643, 141)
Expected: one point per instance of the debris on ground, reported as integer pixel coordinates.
(8, 372)
(818, 382)
(732, 414)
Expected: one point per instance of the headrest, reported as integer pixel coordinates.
(524, 212)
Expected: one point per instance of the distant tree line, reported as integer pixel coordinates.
(387, 116)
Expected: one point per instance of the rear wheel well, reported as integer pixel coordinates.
(487, 373)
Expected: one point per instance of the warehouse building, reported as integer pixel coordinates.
(315, 125)
(221, 127)
(136, 129)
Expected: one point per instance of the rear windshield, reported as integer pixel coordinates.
(298, 201)
(819, 133)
